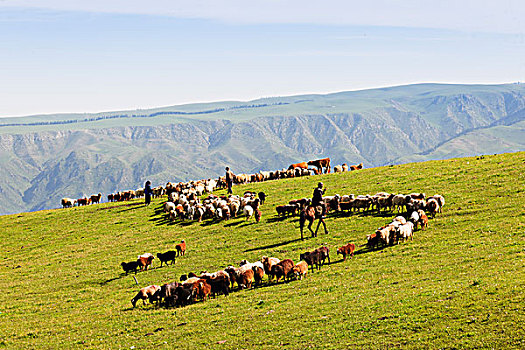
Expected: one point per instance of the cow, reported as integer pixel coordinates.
(320, 164)
(302, 165)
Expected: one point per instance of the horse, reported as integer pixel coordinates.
(311, 213)
(320, 164)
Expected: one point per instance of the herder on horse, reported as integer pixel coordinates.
(317, 210)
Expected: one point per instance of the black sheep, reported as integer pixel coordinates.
(131, 266)
(168, 256)
(262, 197)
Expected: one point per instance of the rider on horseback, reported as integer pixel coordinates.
(317, 198)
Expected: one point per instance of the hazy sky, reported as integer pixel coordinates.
(102, 55)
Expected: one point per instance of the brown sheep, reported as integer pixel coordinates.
(150, 292)
(299, 270)
(145, 260)
(181, 248)
(247, 278)
(281, 269)
(346, 250)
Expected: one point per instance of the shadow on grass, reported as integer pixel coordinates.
(132, 206)
(279, 218)
(270, 246)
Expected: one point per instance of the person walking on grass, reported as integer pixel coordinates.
(147, 193)
(229, 180)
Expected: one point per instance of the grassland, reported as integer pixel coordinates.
(459, 284)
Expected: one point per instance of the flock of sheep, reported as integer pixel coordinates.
(184, 205)
(209, 185)
(193, 287)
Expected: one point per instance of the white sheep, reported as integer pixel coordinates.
(248, 212)
(169, 206)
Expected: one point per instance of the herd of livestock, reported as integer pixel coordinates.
(192, 287)
(185, 202)
(201, 187)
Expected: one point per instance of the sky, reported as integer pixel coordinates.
(101, 55)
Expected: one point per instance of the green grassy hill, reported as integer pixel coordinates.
(458, 284)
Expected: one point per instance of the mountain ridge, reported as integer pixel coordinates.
(42, 163)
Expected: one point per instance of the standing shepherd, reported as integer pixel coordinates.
(229, 180)
(147, 193)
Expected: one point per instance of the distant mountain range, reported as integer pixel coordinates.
(45, 158)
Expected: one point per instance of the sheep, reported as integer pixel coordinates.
(234, 208)
(246, 279)
(400, 219)
(258, 272)
(258, 215)
(166, 257)
(338, 169)
(414, 218)
(248, 212)
(262, 197)
(130, 266)
(344, 167)
(95, 199)
(150, 292)
(169, 206)
(281, 269)
(406, 230)
(399, 201)
(432, 206)
(181, 248)
(299, 270)
(423, 219)
(346, 250)
(440, 199)
(68, 202)
(145, 260)
(168, 293)
(268, 262)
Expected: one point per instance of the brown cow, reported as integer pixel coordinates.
(320, 164)
(302, 165)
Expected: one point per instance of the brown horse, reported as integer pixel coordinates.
(311, 213)
(320, 164)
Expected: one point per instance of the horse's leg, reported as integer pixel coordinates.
(301, 224)
(324, 224)
(318, 224)
(310, 228)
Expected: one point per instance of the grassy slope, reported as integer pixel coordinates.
(459, 284)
